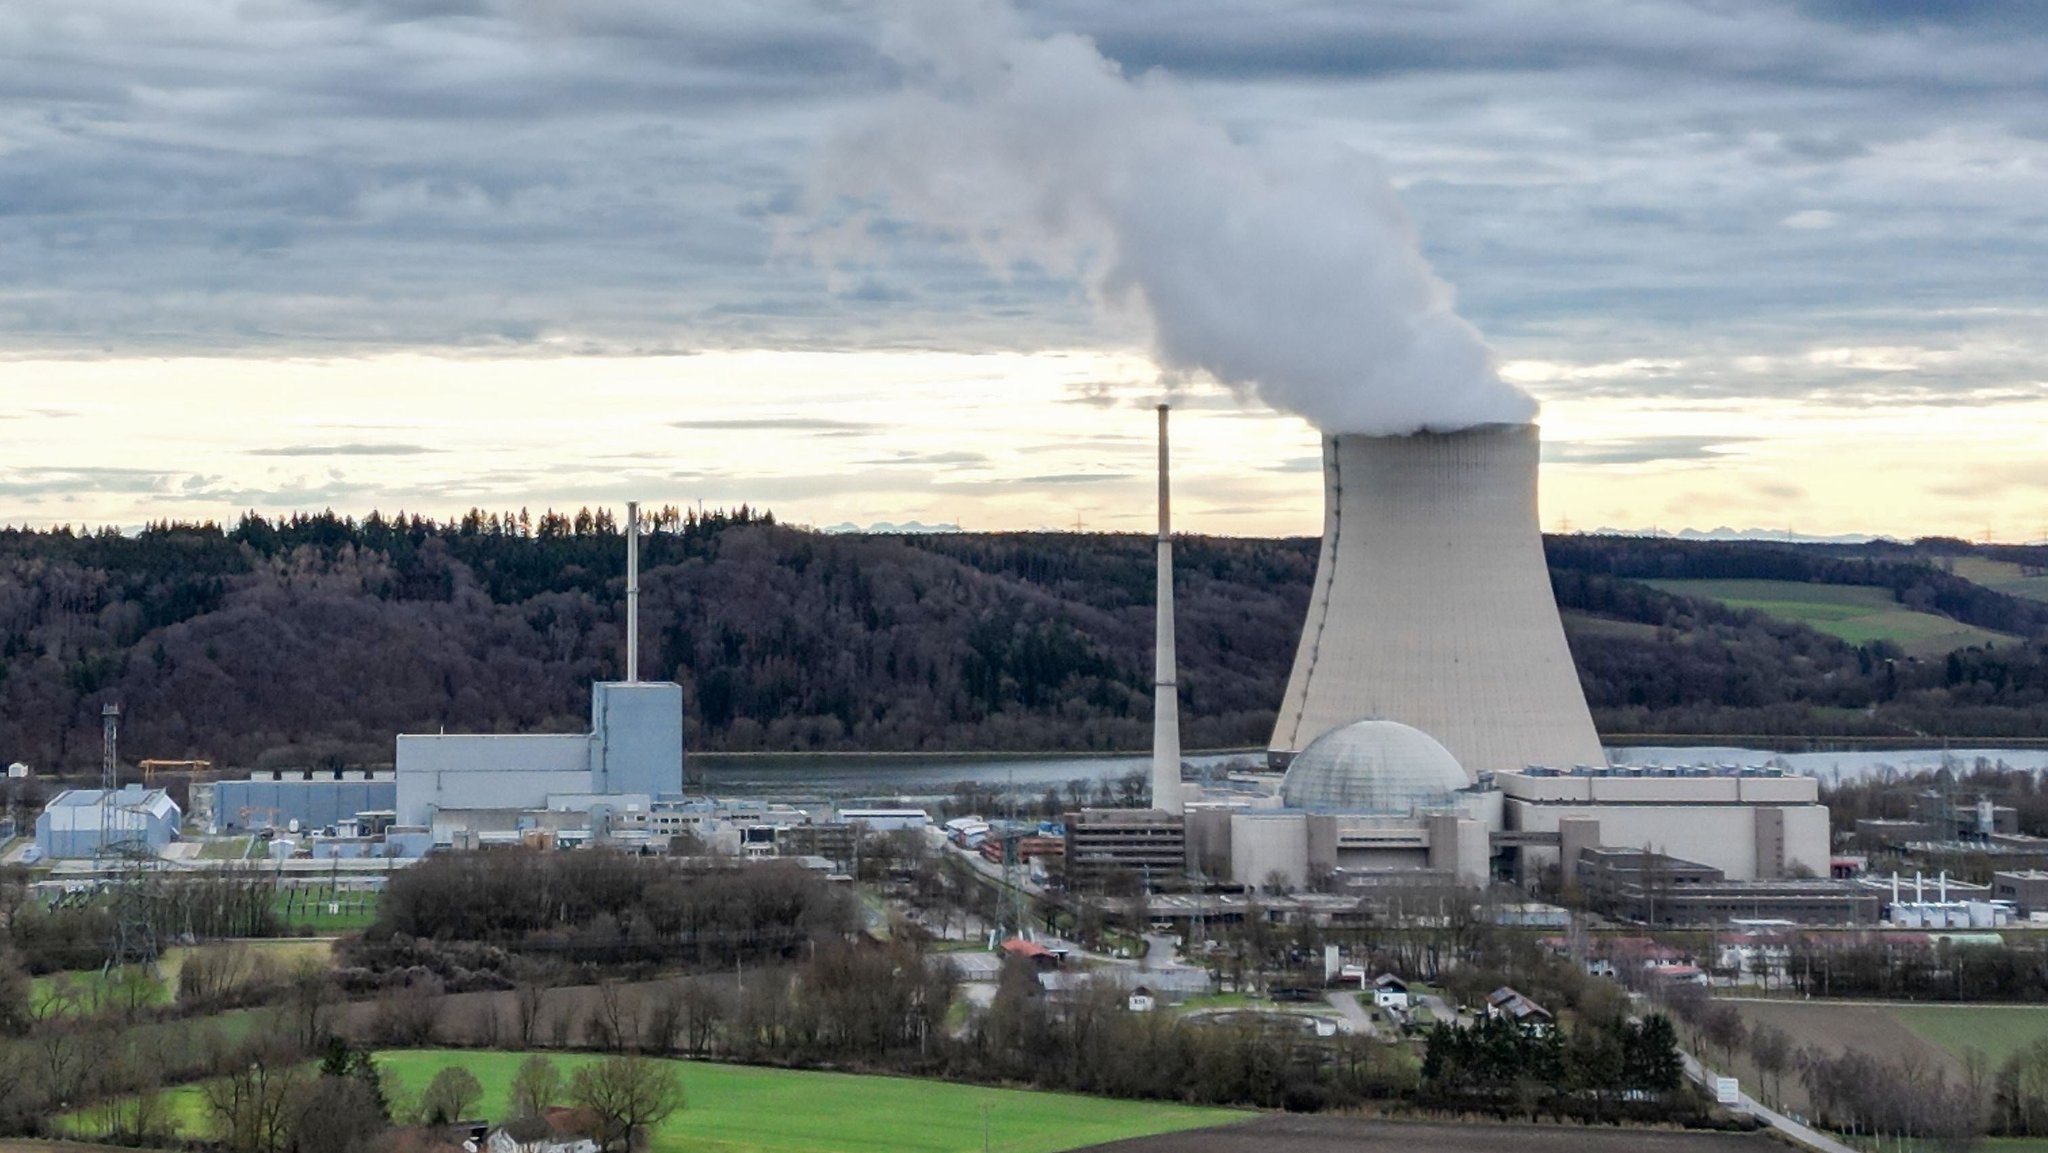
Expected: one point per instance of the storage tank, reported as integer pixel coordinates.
(1432, 605)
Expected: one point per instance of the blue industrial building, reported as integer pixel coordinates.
(315, 800)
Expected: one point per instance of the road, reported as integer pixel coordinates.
(1440, 1009)
(1805, 1135)
(1355, 1017)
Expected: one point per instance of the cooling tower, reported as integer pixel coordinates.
(1432, 604)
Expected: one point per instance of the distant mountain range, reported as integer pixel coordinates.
(883, 527)
(1723, 532)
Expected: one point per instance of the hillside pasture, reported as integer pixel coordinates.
(2002, 576)
(1858, 614)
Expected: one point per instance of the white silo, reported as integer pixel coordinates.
(1432, 604)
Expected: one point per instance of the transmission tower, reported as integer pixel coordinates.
(123, 860)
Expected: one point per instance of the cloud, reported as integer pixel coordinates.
(1642, 449)
(345, 450)
(62, 482)
(1072, 478)
(952, 459)
(1810, 219)
(546, 179)
(777, 424)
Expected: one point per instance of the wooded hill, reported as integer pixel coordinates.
(312, 640)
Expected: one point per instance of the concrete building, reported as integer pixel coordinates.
(1370, 798)
(1103, 842)
(1658, 889)
(315, 798)
(887, 820)
(2025, 889)
(71, 824)
(1749, 824)
(634, 749)
(1375, 803)
(1432, 605)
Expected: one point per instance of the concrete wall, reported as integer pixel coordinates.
(637, 738)
(487, 772)
(1207, 833)
(1460, 846)
(1432, 604)
(243, 805)
(1262, 844)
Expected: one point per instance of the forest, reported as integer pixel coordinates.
(312, 639)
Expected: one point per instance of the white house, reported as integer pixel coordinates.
(555, 1131)
(1389, 992)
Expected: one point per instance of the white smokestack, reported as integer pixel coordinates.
(1287, 270)
(1432, 605)
(1166, 793)
(632, 591)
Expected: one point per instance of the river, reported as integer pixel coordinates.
(882, 777)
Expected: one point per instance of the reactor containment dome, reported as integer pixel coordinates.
(1380, 767)
(1432, 605)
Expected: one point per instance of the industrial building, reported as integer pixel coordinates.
(633, 753)
(1937, 816)
(1432, 605)
(1751, 824)
(295, 799)
(1373, 797)
(1659, 889)
(86, 822)
(2025, 889)
(1376, 802)
(1104, 842)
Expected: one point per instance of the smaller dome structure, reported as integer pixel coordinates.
(1373, 766)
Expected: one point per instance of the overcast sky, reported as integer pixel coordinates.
(1765, 264)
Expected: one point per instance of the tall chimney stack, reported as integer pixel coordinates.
(1165, 680)
(632, 591)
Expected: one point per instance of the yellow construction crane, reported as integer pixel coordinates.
(150, 767)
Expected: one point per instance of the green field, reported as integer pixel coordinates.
(2002, 576)
(1858, 614)
(741, 1109)
(1997, 1031)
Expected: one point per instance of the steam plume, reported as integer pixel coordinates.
(1294, 276)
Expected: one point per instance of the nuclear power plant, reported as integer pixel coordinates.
(1432, 605)
(1434, 729)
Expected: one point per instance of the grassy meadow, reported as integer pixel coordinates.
(1856, 613)
(742, 1109)
(1997, 1031)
